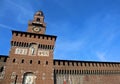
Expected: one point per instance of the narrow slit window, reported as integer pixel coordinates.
(1, 69)
(38, 62)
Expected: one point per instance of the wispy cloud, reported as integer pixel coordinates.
(101, 56)
(6, 27)
(22, 10)
(68, 49)
(70, 46)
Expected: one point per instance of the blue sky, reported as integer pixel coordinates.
(87, 29)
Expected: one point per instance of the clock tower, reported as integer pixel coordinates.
(37, 25)
(31, 55)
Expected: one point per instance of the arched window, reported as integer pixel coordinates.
(22, 61)
(29, 78)
(38, 19)
(13, 60)
(30, 61)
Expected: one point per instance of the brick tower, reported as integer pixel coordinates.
(31, 55)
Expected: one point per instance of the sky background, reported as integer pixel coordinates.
(87, 30)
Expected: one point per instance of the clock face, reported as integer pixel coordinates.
(36, 29)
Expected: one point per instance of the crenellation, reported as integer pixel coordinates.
(32, 36)
(63, 63)
(14, 34)
(100, 70)
(89, 64)
(72, 63)
(42, 37)
(25, 35)
(19, 35)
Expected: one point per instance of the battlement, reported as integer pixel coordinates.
(86, 67)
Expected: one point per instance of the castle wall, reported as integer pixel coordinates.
(83, 72)
(87, 79)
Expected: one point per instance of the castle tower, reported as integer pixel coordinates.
(31, 55)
